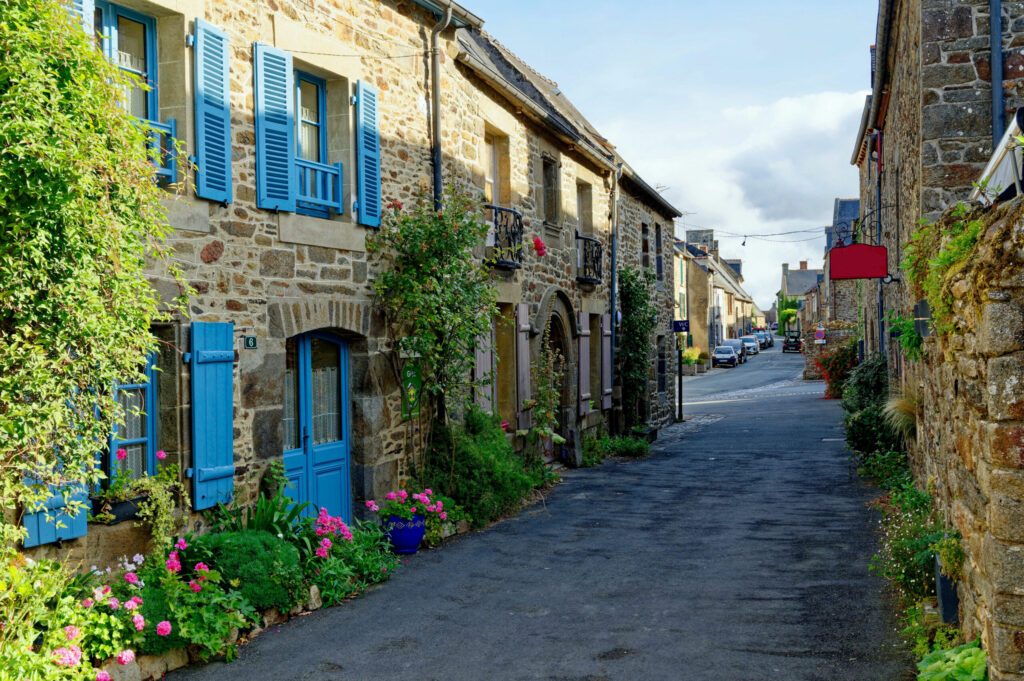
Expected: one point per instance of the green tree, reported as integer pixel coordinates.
(639, 317)
(80, 215)
(788, 309)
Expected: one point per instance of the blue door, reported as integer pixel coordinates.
(316, 423)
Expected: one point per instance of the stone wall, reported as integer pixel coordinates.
(969, 448)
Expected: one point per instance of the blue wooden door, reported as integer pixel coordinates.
(316, 423)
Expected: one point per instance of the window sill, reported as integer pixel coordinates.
(342, 233)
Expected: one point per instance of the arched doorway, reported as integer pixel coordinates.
(315, 425)
(558, 345)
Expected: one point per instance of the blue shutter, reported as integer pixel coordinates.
(368, 156)
(213, 113)
(275, 128)
(85, 12)
(53, 523)
(213, 458)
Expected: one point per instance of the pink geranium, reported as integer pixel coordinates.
(68, 657)
(71, 632)
(88, 603)
(442, 515)
(163, 628)
(161, 454)
(201, 567)
(114, 603)
(181, 544)
(391, 496)
(195, 586)
(131, 578)
(372, 505)
(122, 454)
(125, 657)
(102, 676)
(173, 563)
(139, 621)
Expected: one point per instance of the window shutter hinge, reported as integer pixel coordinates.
(186, 357)
(188, 472)
(190, 40)
(354, 99)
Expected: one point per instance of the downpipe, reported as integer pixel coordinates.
(435, 99)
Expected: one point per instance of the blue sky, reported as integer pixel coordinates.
(746, 110)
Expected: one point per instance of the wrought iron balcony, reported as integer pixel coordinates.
(588, 259)
(506, 237)
(320, 185)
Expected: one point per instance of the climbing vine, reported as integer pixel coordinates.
(639, 317)
(548, 373)
(80, 219)
(906, 335)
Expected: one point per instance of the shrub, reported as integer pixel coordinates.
(868, 431)
(889, 469)
(368, 554)
(906, 557)
(835, 366)
(475, 465)
(631, 447)
(867, 384)
(593, 452)
(639, 317)
(155, 608)
(276, 514)
(262, 567)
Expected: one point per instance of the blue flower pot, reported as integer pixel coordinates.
(406, 535)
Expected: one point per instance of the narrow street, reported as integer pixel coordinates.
(738, 551)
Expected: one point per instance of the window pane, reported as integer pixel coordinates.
(135, 463)
(326, 361)
(309, 101)
(133, 402)
(290, 422)
(489, 169)
(131, 45)
(309, 142)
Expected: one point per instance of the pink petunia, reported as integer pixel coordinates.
(139, 621)
(71, 632)
(102, 676)
(122, 454)
(161, 454)
(131, 578)
(68, 657)
(136, 600)
(114, 603)
(195, 586)
(181, 544)
(125, 657)
(163, 628)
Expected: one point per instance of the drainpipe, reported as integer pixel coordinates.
(614, 283)
(995, 11)
(435, 97)
(878, 241)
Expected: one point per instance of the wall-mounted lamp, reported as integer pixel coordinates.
(888, 279)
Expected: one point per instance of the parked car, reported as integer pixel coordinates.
(762, 339)
(792, 343)
(751, 344)
(771, 338)
(724, 355)
(737, 345)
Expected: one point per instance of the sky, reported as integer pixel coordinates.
(747, 111)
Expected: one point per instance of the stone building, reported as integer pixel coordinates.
(695, 292)
(730, 307)
(839, 297)
(304, 121)
(939, 104)
(796, 284)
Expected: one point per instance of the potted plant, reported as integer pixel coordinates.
(405, 517)
(949, 562)
(120, 500)
(702, 365)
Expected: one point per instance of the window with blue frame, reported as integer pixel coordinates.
(311, 163)
(137, 435)
(128, 39)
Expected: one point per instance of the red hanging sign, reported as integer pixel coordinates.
(858, 261)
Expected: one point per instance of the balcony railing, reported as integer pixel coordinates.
(506, 236)
(162, 150)
(588, 259)
(320, 185)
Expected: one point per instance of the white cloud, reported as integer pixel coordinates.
(763, 168)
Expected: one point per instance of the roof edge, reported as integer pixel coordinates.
(461, 17)
(649, 191)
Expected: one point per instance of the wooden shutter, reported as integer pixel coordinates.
(523, 362)
(484, 371)
(213, 459)
(274, 91)
(85, 12)
(368, 199)
(606, 361)
(212, 59)
(583, 352)
(53, 523)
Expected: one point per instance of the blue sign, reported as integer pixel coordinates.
(680, 326)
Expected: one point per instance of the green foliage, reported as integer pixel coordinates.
(156, 608)
(639, 317)
(435, 525)
(80, 217)
(630, 447)
(163, 492)
(274, 580)
(865, 392)
(334, 577)
(368, 555)
(277, 514)
(928, 633)
(868, 430)
(836, 365)
(888, 468)
(691, 355)
(476, 466)
(593, 451)
(906, 558)
(966, 662)
(547, 372)
(936, 251)
(789, 308)
(950, 551)
(437, 297)
(907, 336)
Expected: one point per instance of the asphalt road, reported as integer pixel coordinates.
(737, 552)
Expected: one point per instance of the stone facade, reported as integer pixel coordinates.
(279, 275)
(925, 137)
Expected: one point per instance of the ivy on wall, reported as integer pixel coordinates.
(639, 317)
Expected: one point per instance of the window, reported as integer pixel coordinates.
(137, 435)
(658, 258)
(490, 169)
(505, 361)
(645, 245)
(662, 365)
(311, 143)
(550, 197)
(728, 302)
(128, 39)
(585, 207)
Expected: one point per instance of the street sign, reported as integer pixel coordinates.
(680, 326)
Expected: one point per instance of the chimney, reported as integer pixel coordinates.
(803, 264)
(703, 247)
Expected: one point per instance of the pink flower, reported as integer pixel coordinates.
(125, 657)
(131, 578)
(383, 568)
(390, 496)
(372, 505)
(195, 586)
(173, 564)
(130, 605)
(71, 632)
(181, 544)
(139, 621)
(68, 657)
(443, 516)
(321, 552)
(106, 588)
(413, 509)
(440, 505)
(428, 491)
(122, 454)
(505, 426)
(114, 603)
(161, 454)
(163, 628)
(201, 567)
(102, 676)
(403, 495)
(136, 600)
(539, 246)
(87, 603)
